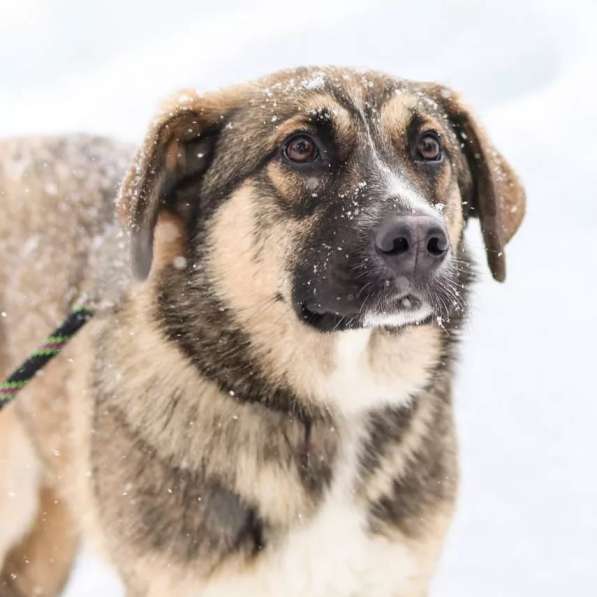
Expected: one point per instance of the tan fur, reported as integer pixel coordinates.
(41, 563)
(316, 104)
(20, 477)
(303, 354)
(395, 115)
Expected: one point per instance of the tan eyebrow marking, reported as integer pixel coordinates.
(396, 115)
(341, 119)
(398, 112)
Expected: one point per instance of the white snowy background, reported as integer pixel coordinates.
(526, 397)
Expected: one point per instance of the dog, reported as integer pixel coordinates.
(262, 404)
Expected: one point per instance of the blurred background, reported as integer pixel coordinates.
(525, 393)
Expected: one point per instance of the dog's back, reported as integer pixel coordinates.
(56, 199)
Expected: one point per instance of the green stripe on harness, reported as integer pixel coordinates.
(39, 358)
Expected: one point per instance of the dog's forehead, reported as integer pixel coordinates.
(346, 86)
(357, 109)
(348, 97)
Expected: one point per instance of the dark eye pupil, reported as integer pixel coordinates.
(301, 149)
(429, 148)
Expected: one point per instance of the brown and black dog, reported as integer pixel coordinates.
(262, 407)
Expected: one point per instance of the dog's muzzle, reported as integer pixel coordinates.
(385, 279)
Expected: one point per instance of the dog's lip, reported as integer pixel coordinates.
(326, 320)
(394, 304)
(407, 306)
(405, 302)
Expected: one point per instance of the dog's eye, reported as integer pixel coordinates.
(429, 147)
(301, 149)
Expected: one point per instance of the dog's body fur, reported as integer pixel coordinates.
(211, 442)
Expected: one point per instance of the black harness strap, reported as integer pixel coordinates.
(53, 345)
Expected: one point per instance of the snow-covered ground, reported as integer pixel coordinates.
(526, 398)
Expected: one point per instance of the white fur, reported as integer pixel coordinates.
(398, 187)
(397, 320)
(354, 387)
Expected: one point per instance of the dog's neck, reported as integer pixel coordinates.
(205, 441)
(321, 389)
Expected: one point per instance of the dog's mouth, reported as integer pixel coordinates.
(392, 312)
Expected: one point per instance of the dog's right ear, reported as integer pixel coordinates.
(166, 174)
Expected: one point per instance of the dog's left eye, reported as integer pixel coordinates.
(301, 149)
(429, 147)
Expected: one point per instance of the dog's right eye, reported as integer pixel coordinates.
(301, 149)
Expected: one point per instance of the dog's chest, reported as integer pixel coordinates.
(332, 555)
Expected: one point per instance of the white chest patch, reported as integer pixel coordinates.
(332, 555)
(352, 385)
(357, 384)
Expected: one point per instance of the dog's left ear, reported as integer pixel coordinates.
(167, 171)
(497, 198)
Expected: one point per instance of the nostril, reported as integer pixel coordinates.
(393, 240)
(398, 246)
(437, 245)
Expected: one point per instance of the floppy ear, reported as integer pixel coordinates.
(166, 173)
(498, 198)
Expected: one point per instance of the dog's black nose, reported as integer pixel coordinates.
(412, 245)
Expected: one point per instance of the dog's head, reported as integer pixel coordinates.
(338, 196)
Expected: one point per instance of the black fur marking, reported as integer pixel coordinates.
(164, 507)
(344, 99)
(430, 478)
(314, 468)
(217, 346)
